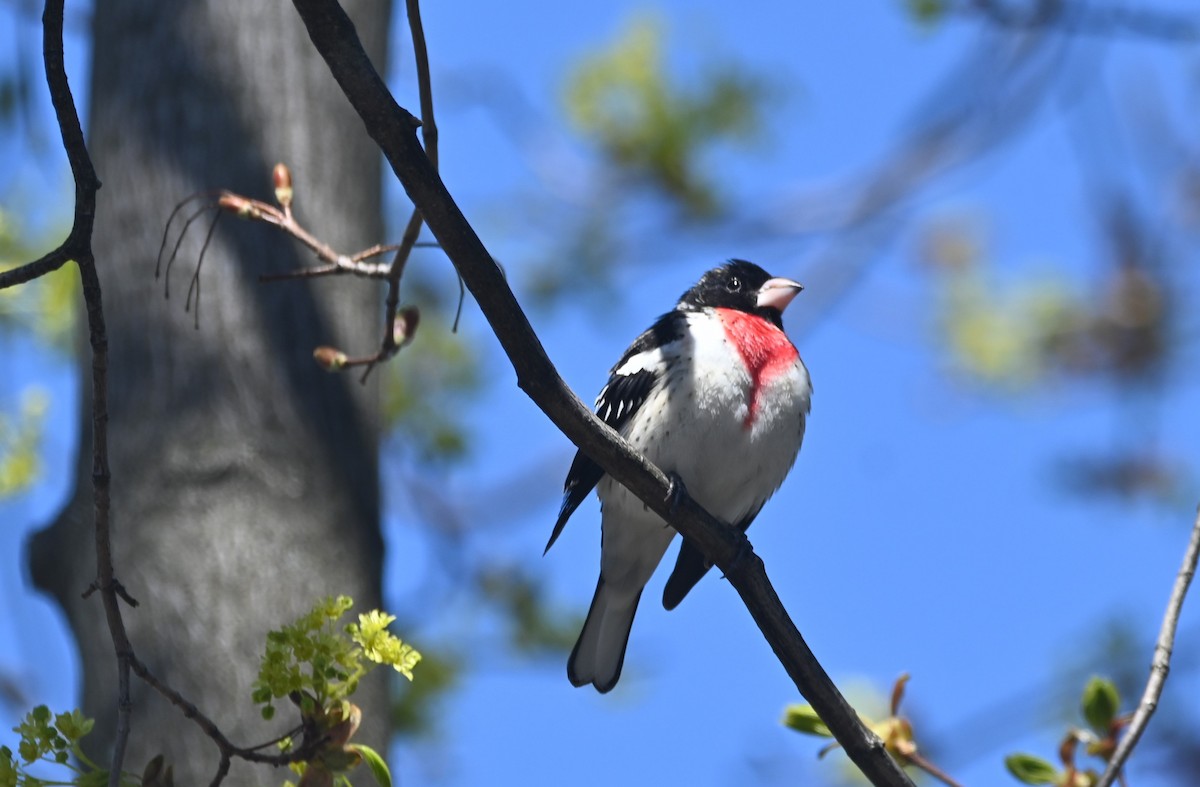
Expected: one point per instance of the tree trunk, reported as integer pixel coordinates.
(244, 478)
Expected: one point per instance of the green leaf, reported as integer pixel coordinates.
(1101, 702)
(8, 768)
(927, 11)
(1031, 770)
(378, 767)
(73, 725)
(802, 718)
(96, 779)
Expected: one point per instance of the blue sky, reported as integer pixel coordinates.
(922, 529)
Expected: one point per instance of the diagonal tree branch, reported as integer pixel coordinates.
(1160, 664)
(393, 129)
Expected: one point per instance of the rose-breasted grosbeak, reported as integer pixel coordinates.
(716, 396)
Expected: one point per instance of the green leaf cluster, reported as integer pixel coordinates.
(370, 633)
(1100, 707)
(653, 128)
(317, 663)
(51, 738)
(321, 663)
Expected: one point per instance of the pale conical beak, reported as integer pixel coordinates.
(778, 293)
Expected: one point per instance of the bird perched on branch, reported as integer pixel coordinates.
(716, 396)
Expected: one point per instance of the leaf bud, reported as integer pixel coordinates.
(404, 327)
(330, 358)
(282, 178)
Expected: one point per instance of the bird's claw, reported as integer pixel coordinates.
(675, 492)
(744, 552)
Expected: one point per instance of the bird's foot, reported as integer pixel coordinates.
(744, 552)
(675, 492)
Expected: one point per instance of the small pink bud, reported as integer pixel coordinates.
(330, 358)
(282, 177)
(233, 203)
(404, 328)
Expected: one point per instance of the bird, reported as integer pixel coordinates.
(717, 397)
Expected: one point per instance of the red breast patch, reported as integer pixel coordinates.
(764, 349)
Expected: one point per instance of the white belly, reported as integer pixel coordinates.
(729, 463)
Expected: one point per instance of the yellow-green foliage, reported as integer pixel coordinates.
(20, 433)
(52, 739)
(320, 663)
(654, 129)
(45, 306)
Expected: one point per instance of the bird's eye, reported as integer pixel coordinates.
(734, 284)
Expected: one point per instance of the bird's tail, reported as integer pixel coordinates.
(600, 651)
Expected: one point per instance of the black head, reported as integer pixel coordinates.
(743, 286)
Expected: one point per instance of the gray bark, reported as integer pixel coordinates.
(244, 478)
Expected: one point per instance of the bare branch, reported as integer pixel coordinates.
(304, 751)
(412, 230)
(78, 246)
(393, 128)
(1160, 664)
(48, 263)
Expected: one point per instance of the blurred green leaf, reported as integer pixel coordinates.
(1031, 770)
(20, 436)
(1101, 703)
(423, 392)
(45, 306)
(802, 718)
(379, 768)
(655, 129)
(415, 710)
(927, 12)
(533, 626)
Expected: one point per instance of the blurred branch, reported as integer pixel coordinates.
(1160, 665)
(1081, 18)
(392, 128)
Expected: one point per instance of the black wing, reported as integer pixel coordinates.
(691, 566)
(618, 401)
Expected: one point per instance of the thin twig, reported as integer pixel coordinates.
(412, 231)
(209, 727)
(222, 771)
(194, 285)
(1160, 664)
(920, 762)
(187, 223)
(171, 220)
(48, 263)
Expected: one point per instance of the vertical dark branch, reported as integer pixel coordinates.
(78, 246)
(86, 183)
